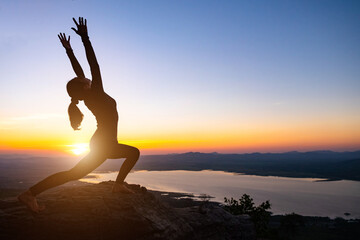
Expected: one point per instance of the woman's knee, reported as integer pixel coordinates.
(135, 153)
(131, 152)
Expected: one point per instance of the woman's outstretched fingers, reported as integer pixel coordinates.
(77, 25)
(81, 27)
(75, 22)
(65, 42)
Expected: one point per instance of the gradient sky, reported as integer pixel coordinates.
(225, 76)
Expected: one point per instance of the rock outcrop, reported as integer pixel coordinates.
(93, 212)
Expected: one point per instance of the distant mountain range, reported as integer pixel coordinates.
(316, 164)
(330, 165)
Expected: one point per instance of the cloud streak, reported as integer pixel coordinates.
(30, 118)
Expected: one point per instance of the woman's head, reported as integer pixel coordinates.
(77, 89)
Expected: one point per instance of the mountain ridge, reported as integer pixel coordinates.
(324, 164)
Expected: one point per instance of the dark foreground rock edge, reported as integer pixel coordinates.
(93, 212)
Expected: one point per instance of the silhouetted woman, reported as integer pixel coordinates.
(103, 143)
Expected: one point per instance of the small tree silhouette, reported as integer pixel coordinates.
(259, 215)
(204, 197)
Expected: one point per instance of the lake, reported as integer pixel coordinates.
(305, 196)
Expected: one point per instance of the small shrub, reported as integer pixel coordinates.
(204, 197)
(245, 205)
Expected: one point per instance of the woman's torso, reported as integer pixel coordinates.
(104, 109)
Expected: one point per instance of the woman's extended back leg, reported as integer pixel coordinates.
(86, 165)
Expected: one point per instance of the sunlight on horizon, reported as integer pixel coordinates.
(79, 148)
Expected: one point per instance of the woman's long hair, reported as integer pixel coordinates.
(75, 115)
(74, 87)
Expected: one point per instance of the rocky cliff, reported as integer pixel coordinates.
(93, 212)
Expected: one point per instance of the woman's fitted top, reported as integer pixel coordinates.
(104, 109)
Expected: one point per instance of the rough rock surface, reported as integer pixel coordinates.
(93, 212)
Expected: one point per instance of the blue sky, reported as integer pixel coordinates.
(195, 66)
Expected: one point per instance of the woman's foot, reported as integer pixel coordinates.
(121, 187)
(30, 202)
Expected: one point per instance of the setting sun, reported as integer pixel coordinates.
(79, 148)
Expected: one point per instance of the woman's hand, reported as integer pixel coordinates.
(65, 42)
(81, 27)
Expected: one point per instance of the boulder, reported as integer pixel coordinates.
(94, 212)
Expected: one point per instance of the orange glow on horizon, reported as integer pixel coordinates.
(224, 138)
(234, 143)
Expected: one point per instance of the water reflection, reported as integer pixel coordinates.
(306, 196)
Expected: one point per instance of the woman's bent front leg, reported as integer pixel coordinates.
(131, 154)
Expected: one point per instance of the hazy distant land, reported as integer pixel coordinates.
(27, 169)
(316, 164)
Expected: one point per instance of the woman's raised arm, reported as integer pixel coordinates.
(90, 54)
(74, 62)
